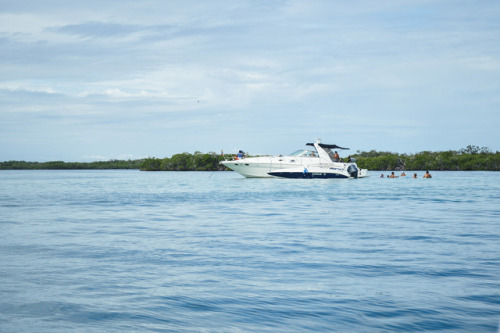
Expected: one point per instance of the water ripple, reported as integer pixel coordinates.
(122, 251)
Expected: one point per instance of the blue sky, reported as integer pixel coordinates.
(97, 80)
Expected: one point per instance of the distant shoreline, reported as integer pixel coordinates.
(60, 165)
(471, 158)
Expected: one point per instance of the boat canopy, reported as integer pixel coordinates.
(324, 145)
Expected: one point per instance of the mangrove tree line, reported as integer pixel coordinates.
(186, 162)
(60, 165)
(466, 159)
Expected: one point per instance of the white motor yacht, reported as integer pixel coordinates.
(320, 163)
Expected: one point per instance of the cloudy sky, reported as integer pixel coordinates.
(92, 80)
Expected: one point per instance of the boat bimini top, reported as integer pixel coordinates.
(325, 149)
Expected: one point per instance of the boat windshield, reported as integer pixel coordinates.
(304, 153)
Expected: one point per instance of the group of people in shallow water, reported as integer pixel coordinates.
(403, 174)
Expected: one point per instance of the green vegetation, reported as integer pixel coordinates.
(185, 162)
(470, 158)
(60, 165)
(466, 159)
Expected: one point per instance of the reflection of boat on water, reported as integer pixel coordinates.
(320, 163)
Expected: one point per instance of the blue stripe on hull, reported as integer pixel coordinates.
(308, 175)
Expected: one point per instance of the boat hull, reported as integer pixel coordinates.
(250, 170)
(259, 167)
(307, 175)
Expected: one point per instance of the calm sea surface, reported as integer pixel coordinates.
(113, 251)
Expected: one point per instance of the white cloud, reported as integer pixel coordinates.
(291, 67)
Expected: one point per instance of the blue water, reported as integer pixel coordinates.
(113, 251)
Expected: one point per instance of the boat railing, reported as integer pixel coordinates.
(233, 157)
